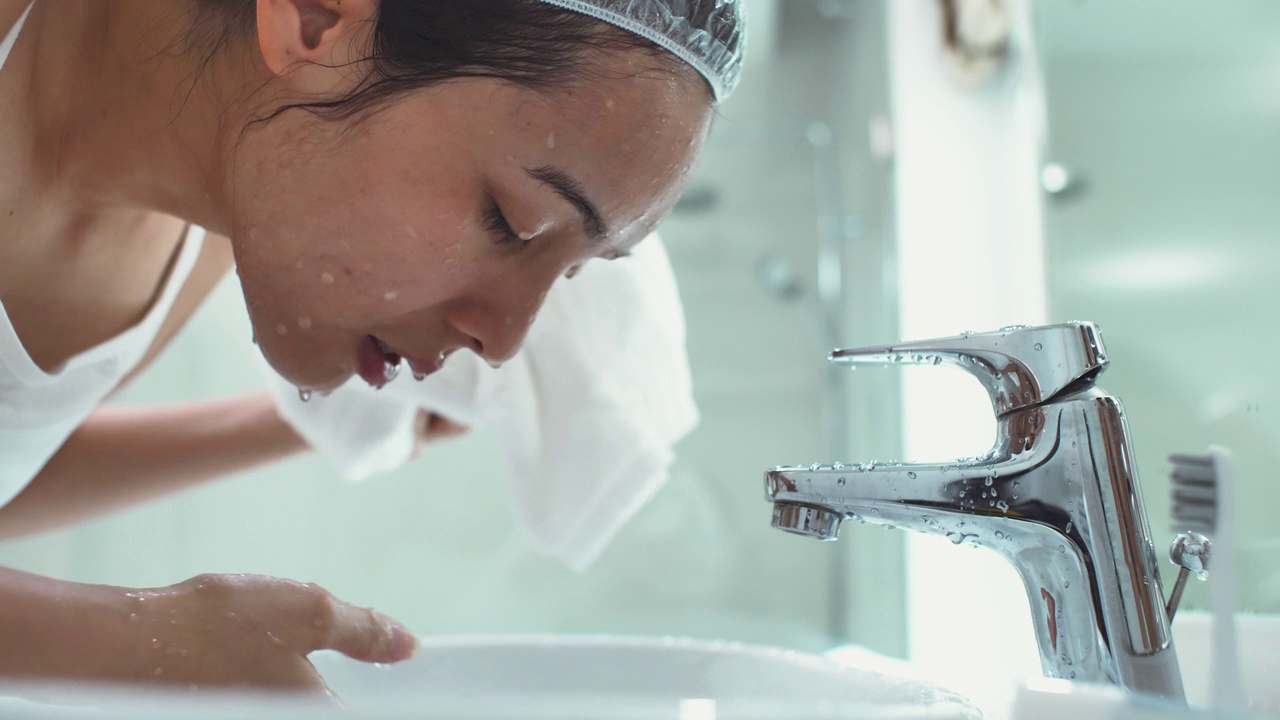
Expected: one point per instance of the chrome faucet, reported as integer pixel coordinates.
(1057, 496)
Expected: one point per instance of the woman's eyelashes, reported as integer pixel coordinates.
(497, 224)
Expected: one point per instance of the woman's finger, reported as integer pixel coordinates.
(362, 634)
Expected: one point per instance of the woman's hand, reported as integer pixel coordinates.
(431, 427)
(223, 631)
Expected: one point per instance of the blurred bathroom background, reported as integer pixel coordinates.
(1158, 190)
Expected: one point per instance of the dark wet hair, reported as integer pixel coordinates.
(418, 43)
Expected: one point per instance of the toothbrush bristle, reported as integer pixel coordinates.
(1195, 497)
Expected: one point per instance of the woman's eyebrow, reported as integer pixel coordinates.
(569, 189)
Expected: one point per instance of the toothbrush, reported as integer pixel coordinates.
(1204, 501)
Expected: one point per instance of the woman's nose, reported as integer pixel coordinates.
(498, 323)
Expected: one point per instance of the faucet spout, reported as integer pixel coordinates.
(1057, 496)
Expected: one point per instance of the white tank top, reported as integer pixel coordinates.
(38, 409)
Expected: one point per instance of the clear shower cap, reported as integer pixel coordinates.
(707, 34)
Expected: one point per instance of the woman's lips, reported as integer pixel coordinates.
(422, 368)
(375, 362)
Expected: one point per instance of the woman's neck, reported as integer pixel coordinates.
(123, 111)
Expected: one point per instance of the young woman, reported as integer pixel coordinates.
(393, 181)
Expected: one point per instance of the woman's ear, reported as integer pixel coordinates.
(324, 33)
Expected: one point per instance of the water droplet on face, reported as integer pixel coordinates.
(281, 329)
(326, 278)
(391, 296)
(304, 323)
(551, 140)
(304, 395)
(133, 617)
(275, 640)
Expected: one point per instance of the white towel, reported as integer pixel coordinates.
(588, 411)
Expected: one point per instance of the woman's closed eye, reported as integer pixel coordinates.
(496, 223)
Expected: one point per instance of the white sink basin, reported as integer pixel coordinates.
(604, 678)
(552, 677)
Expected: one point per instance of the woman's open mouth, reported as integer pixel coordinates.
(376, 364)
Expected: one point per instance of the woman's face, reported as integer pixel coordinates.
(440, 222)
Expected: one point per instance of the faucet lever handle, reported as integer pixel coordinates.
(1019, 365)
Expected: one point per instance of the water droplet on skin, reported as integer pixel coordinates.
(391, 296)
(133, 617)
(304, 323)
(551, 140)
(304, 395)
(275, 640)
(326, 278)
(282, 330)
